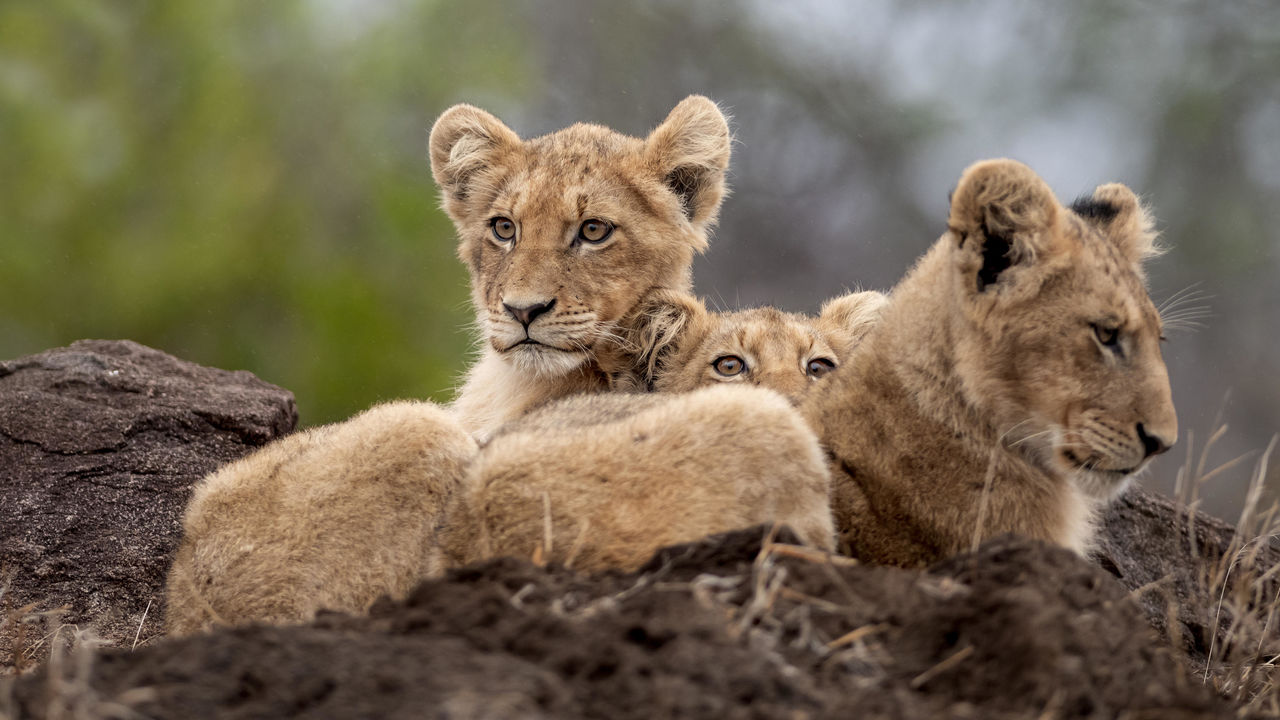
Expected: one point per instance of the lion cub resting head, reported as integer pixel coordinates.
(563, 235)
(1014, 382)
(684, 346)
(603, 481)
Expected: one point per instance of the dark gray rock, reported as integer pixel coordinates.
(1195, 580)
(100, 443)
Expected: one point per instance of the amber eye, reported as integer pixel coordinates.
(595, 231)
(1108, 336)
(818, 367)
(504, 229)
(729, 365)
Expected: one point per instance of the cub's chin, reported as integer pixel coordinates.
(544, 361)
(1096, 482)
(1105, 485)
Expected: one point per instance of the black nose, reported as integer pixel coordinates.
(527, 314)
(1151, 444)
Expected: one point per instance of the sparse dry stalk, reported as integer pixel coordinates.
(1241, 586)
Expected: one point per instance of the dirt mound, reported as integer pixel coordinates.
(725, 628)
(99, 445)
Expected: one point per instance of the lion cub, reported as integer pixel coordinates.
(683, 346)
(332, 517)
(563, 235)
(604, 481)
(1013, 384)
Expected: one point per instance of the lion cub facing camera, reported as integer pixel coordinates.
(1014, 382)
(604, 481)
(684, 347)
(563, 235)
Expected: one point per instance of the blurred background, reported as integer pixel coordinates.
(245, 184)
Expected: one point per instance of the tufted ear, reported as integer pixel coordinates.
(1116, 211)
(464, 140)
(662, 321)
(689, 151)
(846, 319)
(1002, 215)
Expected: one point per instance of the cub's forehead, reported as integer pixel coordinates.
(1107, 276)
(584, 144)
(1101, 258)
(760, 328)
(577, 171)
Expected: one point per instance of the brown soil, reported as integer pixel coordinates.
(718, 629)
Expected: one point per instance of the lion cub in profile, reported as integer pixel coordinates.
(604, 481)
(1013, 384)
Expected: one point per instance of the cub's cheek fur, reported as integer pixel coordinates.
(332, 517)
(604, 481)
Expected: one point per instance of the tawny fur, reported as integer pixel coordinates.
(340, 515)
(661, 196)
(680, 342)
(990, 397)
(603, 481)
(332, 517)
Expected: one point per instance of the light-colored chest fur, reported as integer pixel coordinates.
(496, 392)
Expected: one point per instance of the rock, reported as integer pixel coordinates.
(1192, 571)
(100, 443)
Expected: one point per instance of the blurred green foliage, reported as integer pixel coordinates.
(240, 184)
(245, 184)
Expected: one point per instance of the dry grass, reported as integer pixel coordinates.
(24, 632)
(1240, 588)
(67, 691)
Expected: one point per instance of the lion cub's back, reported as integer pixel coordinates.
(328, 518)
(604, 481)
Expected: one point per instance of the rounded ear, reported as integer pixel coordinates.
(1002, 214)
(464, 140)
(657, 325)
(1118, 213)
(846, 319)
(689, 151)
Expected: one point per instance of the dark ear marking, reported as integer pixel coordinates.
(1094, 210)
(996, 258)
(684, 182)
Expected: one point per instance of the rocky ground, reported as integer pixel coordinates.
(100, 442)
